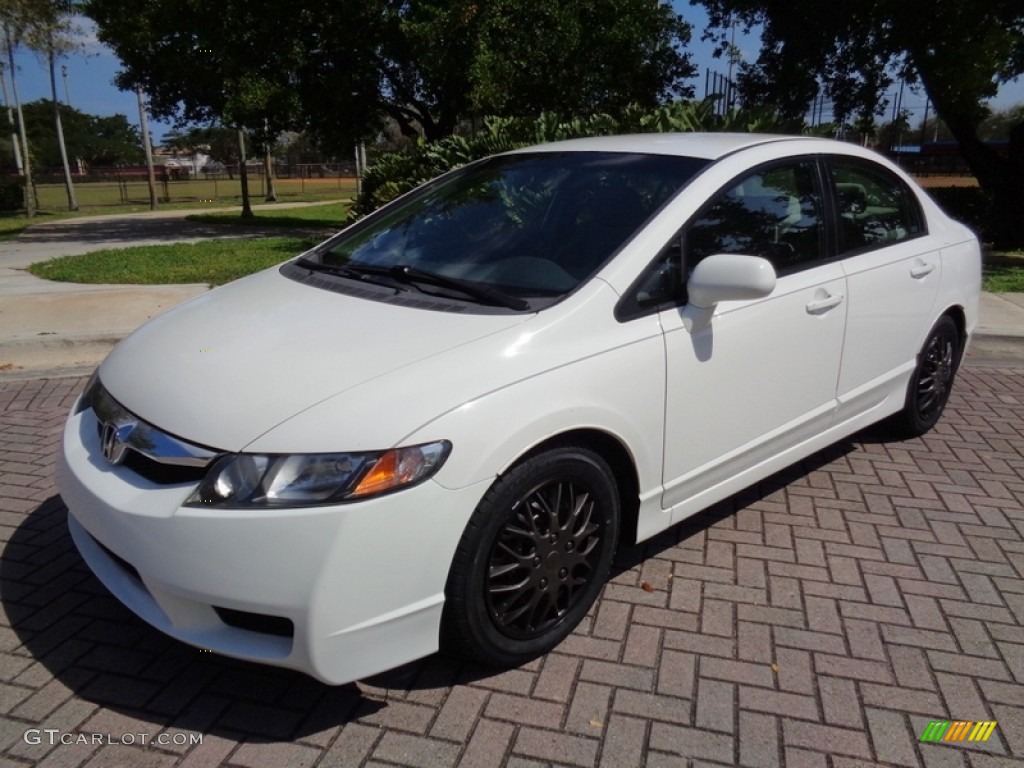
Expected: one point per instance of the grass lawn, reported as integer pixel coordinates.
(1003, 272)
(213, 261)
(198, 193)
(98, 198)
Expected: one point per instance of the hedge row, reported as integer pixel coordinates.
(12, 195)
(970, 205)
(394, 173)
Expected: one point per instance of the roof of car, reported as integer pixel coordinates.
(710, 146)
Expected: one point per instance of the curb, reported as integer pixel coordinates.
(54, 358)
(70, 356)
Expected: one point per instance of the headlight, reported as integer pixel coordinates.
(253, 480)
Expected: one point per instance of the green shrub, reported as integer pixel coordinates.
(395, 173)
(12, 195)
(970, 205)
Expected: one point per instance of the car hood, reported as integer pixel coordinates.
(227, 366)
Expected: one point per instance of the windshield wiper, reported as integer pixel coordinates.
(403, 273)
(351, 272)
(482, 293)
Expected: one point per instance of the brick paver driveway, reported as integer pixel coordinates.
(824, 618)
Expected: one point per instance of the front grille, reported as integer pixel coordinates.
(125, 439)
(162, 474)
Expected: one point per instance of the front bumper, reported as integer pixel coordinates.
(337, 592)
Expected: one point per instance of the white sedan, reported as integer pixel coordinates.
(437, 427)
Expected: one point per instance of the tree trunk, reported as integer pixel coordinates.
(68, 184)
(15, 142)
(1012, 195)
(243, 177)
(30, 192)
(147, 147)
(268, 171)
(1000, 177)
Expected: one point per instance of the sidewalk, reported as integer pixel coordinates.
(61, 329)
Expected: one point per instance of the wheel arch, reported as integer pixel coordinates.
(959, 316)
(619, 459)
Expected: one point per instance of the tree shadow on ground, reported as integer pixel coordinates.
(117, 232)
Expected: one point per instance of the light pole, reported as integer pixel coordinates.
(64, 74)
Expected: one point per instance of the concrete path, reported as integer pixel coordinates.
(53, 329)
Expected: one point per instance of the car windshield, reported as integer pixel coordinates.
(511, 229)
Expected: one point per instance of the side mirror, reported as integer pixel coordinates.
(729, 277)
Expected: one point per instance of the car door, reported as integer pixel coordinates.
(893, 269)
(758, 376)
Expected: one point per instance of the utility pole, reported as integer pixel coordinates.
(64, 74)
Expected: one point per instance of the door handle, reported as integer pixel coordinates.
(920, 270)
(818, 306)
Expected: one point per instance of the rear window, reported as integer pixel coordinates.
(875, 207)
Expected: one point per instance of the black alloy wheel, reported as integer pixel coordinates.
(932, 381)
(534, 556)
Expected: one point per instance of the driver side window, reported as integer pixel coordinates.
(774, 213)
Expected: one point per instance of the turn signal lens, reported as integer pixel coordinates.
(402, 466)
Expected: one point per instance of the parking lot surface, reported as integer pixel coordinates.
(826, 617)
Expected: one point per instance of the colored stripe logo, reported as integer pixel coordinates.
(958, 730)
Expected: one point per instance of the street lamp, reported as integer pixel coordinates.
(64, 74)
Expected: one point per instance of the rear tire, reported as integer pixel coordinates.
(533, 557)
(932, 381)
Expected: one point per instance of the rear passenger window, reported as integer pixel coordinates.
(875, 207)
(774, 213)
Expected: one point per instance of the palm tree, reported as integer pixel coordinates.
(8, 19)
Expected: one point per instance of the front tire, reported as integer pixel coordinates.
(533, 557)
(932, 381)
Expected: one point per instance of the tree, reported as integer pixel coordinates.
(93, 139)
(46, 27)
(578, 58)
(338, 68)
(426, 64)
(216, 141)
(50, 33)
(11, 14)
(231, 62)
(894, 133)
(960, 51)
(996, 127)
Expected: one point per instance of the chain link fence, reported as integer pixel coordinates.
(213, 184)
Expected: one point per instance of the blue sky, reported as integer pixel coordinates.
(90, 76)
